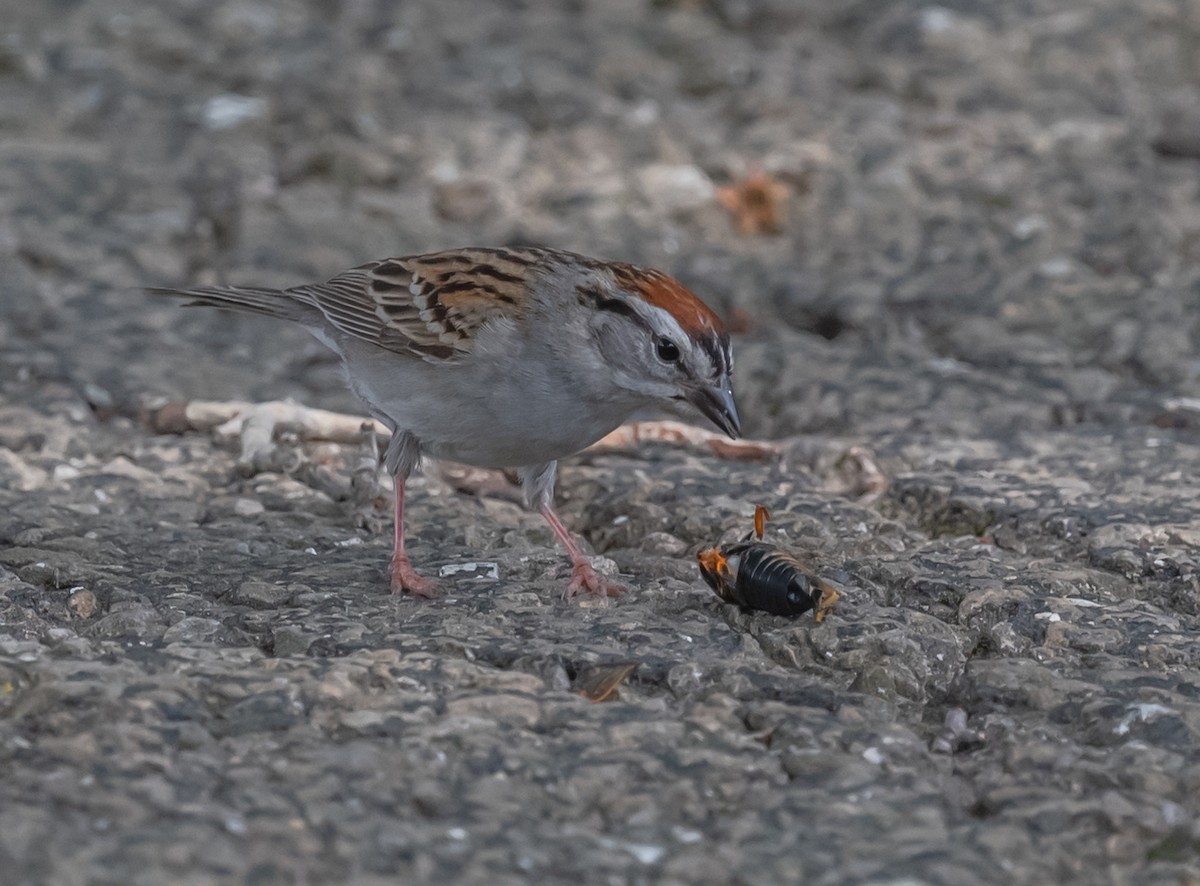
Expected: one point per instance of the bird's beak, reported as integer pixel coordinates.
(716, 404)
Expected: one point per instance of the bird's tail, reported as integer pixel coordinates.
(247, 300)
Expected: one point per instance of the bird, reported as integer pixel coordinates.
(506, 357)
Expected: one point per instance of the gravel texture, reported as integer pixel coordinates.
(984, 285)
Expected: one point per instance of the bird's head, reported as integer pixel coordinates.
(662, 344)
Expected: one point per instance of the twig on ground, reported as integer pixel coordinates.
(258, 423)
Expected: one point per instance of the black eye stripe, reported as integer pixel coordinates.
(714, 344)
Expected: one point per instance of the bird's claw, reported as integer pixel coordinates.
(586, 580)
(405, 579)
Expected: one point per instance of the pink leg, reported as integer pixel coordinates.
(584, 579)
(404, 578)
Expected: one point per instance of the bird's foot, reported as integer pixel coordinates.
(586, 580)
(406, 581)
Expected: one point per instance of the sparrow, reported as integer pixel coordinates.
(506, 358)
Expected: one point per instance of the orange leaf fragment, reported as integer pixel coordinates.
(758, 203)
(599, 683)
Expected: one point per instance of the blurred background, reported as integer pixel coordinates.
(966, 218)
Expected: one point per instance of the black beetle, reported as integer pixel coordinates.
(757, 575)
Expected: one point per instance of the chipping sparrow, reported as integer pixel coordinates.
(506, 358)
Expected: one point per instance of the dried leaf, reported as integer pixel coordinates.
(758, 203)
(600, 682)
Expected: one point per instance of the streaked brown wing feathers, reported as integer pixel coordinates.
(431, 306)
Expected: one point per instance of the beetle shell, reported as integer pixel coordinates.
(767, 579)
(759, 576)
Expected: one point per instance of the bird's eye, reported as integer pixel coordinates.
(667, 350)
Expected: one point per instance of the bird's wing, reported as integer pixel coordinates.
(431, 306)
